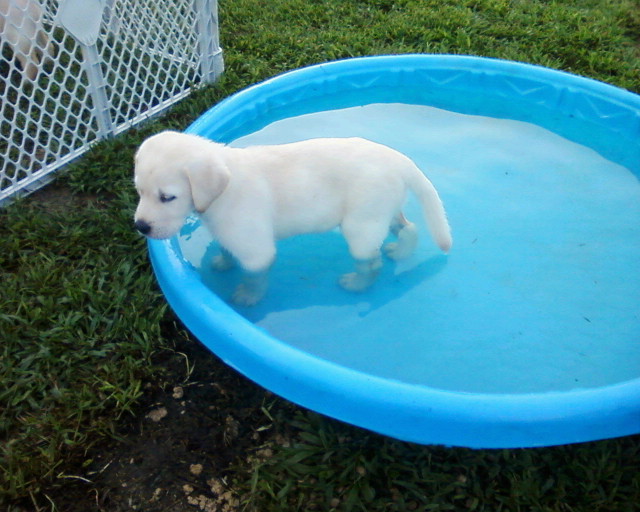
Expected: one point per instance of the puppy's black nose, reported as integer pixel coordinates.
(143, 227)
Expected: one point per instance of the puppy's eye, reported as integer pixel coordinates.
(166, 198)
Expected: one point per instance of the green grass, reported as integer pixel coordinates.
(330, 466)
(81, 316)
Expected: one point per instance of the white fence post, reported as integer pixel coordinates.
(81, 19)
(97, 90)
(211, 63)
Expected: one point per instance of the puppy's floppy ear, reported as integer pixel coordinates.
(208, 178)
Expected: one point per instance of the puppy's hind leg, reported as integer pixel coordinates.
(365, 240)
(407, 235)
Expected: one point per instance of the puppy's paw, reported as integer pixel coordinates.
(392, 251)
(365, 275)
(406, 244)
(252, 288)
(222, 263)
(397, 251)
(356, 282)
(247, 295)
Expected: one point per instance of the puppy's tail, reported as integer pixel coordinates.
(432, 207)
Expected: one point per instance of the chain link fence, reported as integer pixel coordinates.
(76, 71)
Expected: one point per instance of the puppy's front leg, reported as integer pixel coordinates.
(366, 273)
(252, 288)
(223, 261)
(255, 263)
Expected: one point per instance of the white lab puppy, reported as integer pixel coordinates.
(250, 197)
(21, 28)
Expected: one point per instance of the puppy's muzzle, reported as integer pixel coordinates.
(143, 227)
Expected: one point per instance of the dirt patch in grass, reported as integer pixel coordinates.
(196, 419)
(57, 198)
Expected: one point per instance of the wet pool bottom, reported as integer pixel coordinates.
(541, 291)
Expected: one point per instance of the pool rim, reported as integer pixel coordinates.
(405, 411)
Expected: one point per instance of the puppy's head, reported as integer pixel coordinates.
(175, 174)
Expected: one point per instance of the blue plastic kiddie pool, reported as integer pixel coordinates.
(526, 334)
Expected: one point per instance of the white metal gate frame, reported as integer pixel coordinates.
(74, 72)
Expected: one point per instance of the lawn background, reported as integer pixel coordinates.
(82, 320)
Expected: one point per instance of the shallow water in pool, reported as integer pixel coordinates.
(541, 291)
